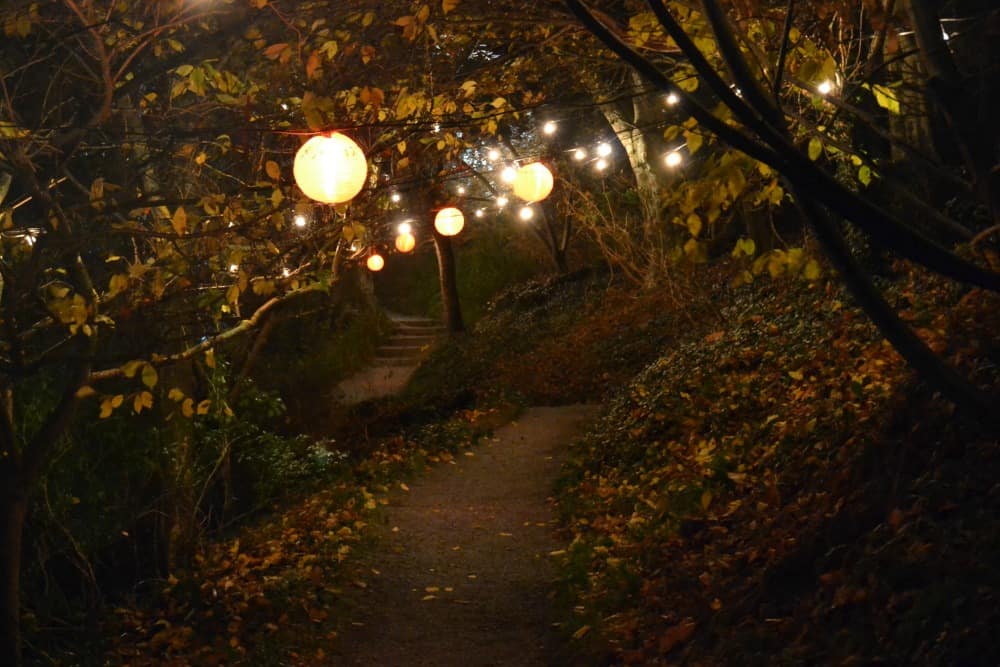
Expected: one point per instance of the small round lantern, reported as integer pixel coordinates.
(330, 168)
(533, 182)
(375, 262)
(405, 242)
(449, 221)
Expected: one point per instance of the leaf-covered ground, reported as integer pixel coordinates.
(769, 485)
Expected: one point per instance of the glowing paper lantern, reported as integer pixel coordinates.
(375, 262)
(533, 182)
(405, 242)
(449, 221)
(330, 169)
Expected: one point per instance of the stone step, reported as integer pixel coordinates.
(395, 361)
(401, 350)
(412, 325)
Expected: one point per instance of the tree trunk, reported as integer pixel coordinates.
(448, 282)
(13, 506)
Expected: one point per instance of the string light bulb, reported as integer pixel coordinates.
(672, 99)
(601, 164)
(508, 174)
(299, 221)
(824, 88)
(579, 155)
(526, 213)
(673, 159)
(549, 127)
(604, 150)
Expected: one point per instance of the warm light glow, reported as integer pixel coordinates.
(526, 213)
(449, 221)
(405, 242)
(395, 197)
(825, 88)
(501, 201)
(330, 169)
(673, 159)
(601, 164)
(604, 150)
(549, 127)
(404, 228)
(300, 220)
(579, 154)
(493, 155)
(233, 268)
(508, 174)
(533, 182)
(672, 99)
(461, 190)
(375, 262)
(286, 272)
(480, 212)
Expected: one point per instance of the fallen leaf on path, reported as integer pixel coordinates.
(677, 634)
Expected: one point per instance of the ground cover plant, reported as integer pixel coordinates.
(782, 491)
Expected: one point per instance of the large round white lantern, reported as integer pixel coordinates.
(533, 182)
(330, 168)
(375, 262)
(405, 242)
(449, 221)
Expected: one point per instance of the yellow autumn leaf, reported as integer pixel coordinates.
(812, 270)
(179, 221)
(149, 376)
(187, 407)
(204, 406)
(273, 170)
(132, 367)
(448, 5)
(85, 392)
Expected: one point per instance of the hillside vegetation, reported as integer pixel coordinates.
(770, 484)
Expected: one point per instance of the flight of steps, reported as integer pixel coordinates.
(409, 343)
(394, 362)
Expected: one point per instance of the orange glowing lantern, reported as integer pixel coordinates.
(449, 221)
(405, 242)
(533, 182)
(330, 168)
(375, 262)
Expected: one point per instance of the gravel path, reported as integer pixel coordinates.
(461, 574)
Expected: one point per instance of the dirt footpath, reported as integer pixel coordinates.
(462, 574)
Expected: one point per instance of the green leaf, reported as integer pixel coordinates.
(815, 148)
(865, 174)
